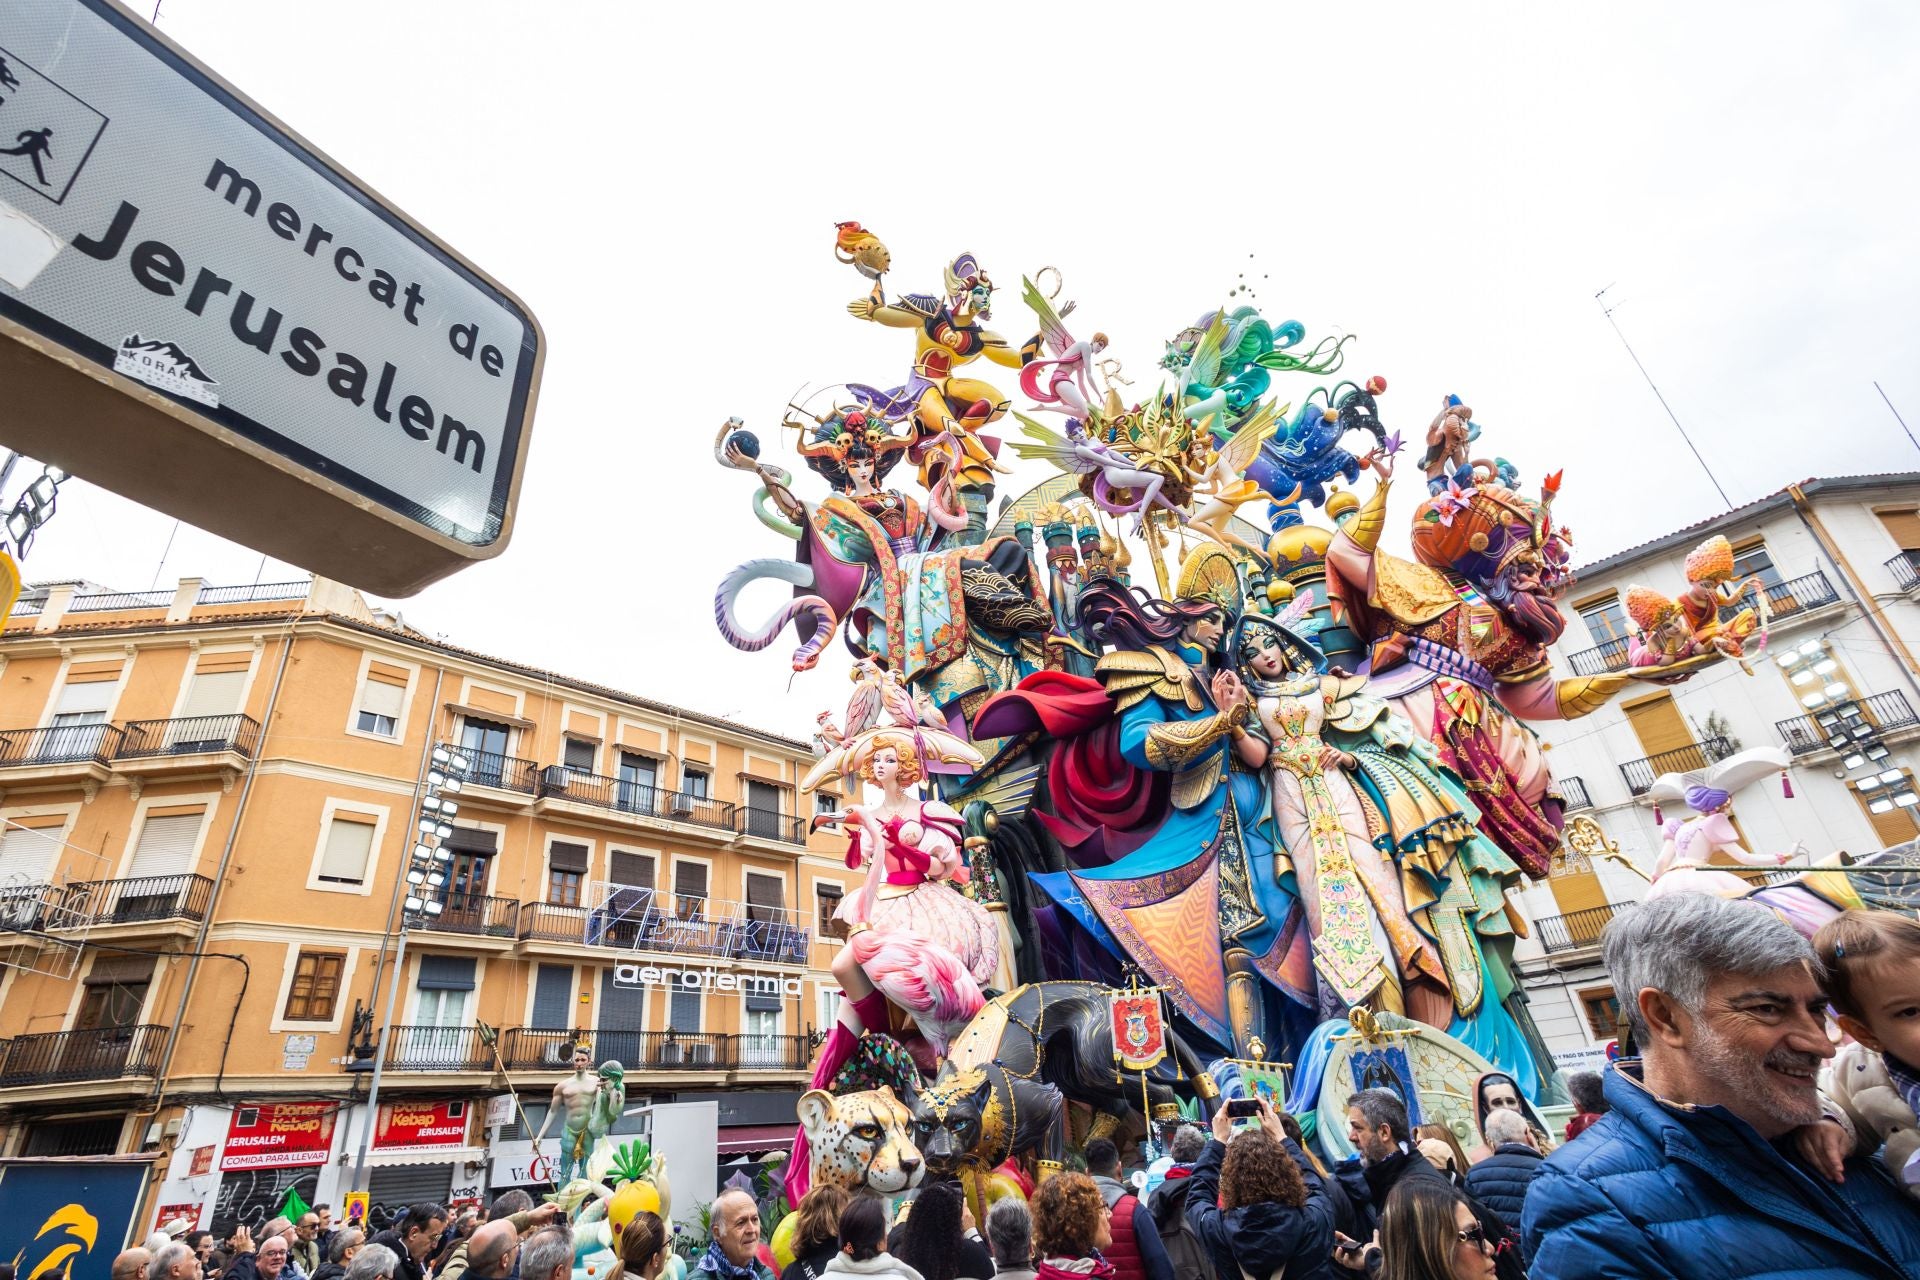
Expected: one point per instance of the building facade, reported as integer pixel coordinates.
(1839, 563)
(209, 798)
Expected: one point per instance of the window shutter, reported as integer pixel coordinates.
(349, 848)
(766, 898)
(90, 698)
(562, 856)
(446, 973)
(623, 1012)
(166, 845)
(385, 673)
(578, 755)
(213, 693)
(634, 870)
(684, 1011)
(29, 853)
(120, 971)
(758, 1003)
(383, 699)
(473, 840)
(553, 998)
(1904, 526)
(690, 879)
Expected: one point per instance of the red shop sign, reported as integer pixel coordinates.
(279, 1135)
(421, 1124)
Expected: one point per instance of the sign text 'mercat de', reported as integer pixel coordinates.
(202, 312)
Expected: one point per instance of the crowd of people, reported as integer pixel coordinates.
(1710, 1151)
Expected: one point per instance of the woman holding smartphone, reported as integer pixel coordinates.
(1256, 1203)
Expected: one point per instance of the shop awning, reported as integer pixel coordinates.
(378, 1159)
(744, 1139)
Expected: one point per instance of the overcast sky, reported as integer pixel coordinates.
(1451, 183)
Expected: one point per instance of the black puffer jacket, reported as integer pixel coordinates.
(1261, 1238)
(1500, 1181)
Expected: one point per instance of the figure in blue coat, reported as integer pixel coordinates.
(1694, 1174)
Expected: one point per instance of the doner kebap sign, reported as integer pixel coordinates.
(200, 311)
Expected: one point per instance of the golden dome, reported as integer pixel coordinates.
(1299, 551)
(1339, 502)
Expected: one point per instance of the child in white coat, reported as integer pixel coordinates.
(1872, 961)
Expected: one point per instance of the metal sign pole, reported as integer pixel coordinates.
(379, 1066)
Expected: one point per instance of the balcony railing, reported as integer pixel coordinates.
(413, 1048)
(771, 1052)
(1796, 595)
(105, 600)
(479, 914)
(770, 824)
(142, 899)
(1695, 755)
(633, 797)
(255, 593)
(1573, 791)
(635, 918)
(1905, 569)
(60, 744)
(28, 606)
(1602, 658)
(506, 773)
(537, 1049)
(58, 1057)
(1576, 929)
(1847, 724)
(192, 735)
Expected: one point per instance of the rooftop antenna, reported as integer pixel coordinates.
(1607, 311)
(1883, 395)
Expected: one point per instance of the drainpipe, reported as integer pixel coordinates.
(393, 907)
(1861, 597)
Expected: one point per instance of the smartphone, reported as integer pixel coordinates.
(1242, 1108)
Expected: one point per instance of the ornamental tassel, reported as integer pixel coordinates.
(1786, 785)
(1657, 819)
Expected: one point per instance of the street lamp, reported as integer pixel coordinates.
(426, 882)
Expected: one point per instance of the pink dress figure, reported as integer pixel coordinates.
(915, 940)
(1690, 842)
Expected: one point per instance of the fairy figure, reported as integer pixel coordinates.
(1219, 477)
(1063, 384)
(1112, 470)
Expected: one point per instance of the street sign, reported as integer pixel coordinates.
(202, 312)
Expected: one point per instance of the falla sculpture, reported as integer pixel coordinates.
(1293, 782)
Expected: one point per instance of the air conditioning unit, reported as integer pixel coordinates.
(680, 805)
(558, 1054)
(700, 1052)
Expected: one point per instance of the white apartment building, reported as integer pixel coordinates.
(1837, 687)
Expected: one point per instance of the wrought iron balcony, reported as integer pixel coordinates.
(551, 1049)
(1608, 656)
(666, 1050)
(256, 593)
(505, 773)
(770, 824)
(477, 913)
(1576, 929)
(192, 735)
(1905, 569)
(1846, 725)
(1795, 595)
(621, 796)
(416, 1048)
(142, 899)
(103, 601)
(1574, 791)
(635, 918)
(59, 744)
(60, 1057)
(1695, 755)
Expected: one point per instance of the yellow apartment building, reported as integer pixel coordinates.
(208, 798)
